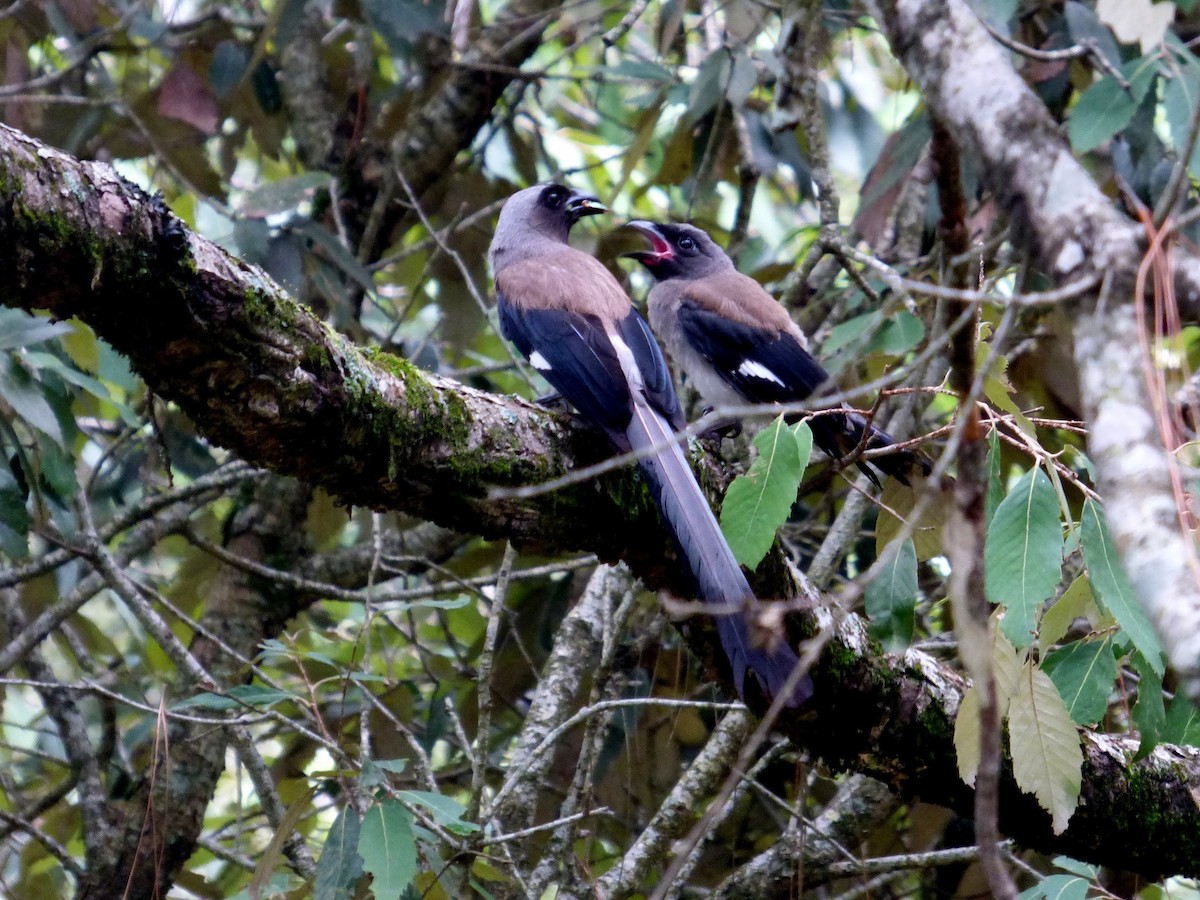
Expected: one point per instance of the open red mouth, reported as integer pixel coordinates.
(660, 250)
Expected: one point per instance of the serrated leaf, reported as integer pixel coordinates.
(1083, 672)
(804, 443)
(1047, 759)
(340, 865)
(758, 502)
(1149, 716)
(1023, 554)
(1182, 725)
(1106, 107)
(1075, 603)
(1006, 669)
(966, 736)
(1114, 593)
(891, 599)
(388, 849)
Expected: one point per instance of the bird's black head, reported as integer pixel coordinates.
(557, 201)
(544, 210)
(678, 250)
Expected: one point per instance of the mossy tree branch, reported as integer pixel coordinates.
(259, 374)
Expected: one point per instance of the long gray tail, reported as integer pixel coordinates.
(715, 573)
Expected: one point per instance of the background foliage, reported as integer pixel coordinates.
(377, 675)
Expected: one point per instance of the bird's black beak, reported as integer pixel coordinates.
(660, 249)
(581, 205)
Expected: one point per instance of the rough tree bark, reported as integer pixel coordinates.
(260, 375)
(1073, 231)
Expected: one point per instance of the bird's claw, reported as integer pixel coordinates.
(552, 400)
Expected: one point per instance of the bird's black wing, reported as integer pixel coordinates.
(656, 377)
(762, 365)
(572, 352)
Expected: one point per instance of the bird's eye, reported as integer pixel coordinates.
(686, 243)
(554, 199)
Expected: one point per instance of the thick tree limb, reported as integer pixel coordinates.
(1073, 230)
(259, 374)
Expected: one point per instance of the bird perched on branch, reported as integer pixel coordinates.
(574, 323)
(739, 346)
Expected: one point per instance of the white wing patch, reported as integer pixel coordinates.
(625, 356)
(539, 362)
(753, 369)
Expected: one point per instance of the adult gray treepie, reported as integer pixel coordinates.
(738, 346)
(574, 323)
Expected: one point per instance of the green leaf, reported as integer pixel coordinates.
(446, 811)
(1047, 759)
(898, 334)
(20, 329)
(1023, 554)
(1076, 867)
(709, 85)
(846, 333)
(891, 599)
(743, 76)
(1084, 25)
(340, 865)
(1149, 717)
(1083, 672)
(966, 736)
(1182, 725)
(1074, 603)
(1057, 887)
(641, 69)
(284, 195)
(401, 22)
(1181, 95)
(14, 517)
(388, 849)
(804, 442)
(995, 487)
(28, 399)
(1113, 591)
(997, 13)
(1106, 107)
(758, 502)
(237, 697)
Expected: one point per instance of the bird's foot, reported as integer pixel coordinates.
(553, 400)
(731, 429)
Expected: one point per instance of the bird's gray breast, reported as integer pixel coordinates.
(701, 375)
